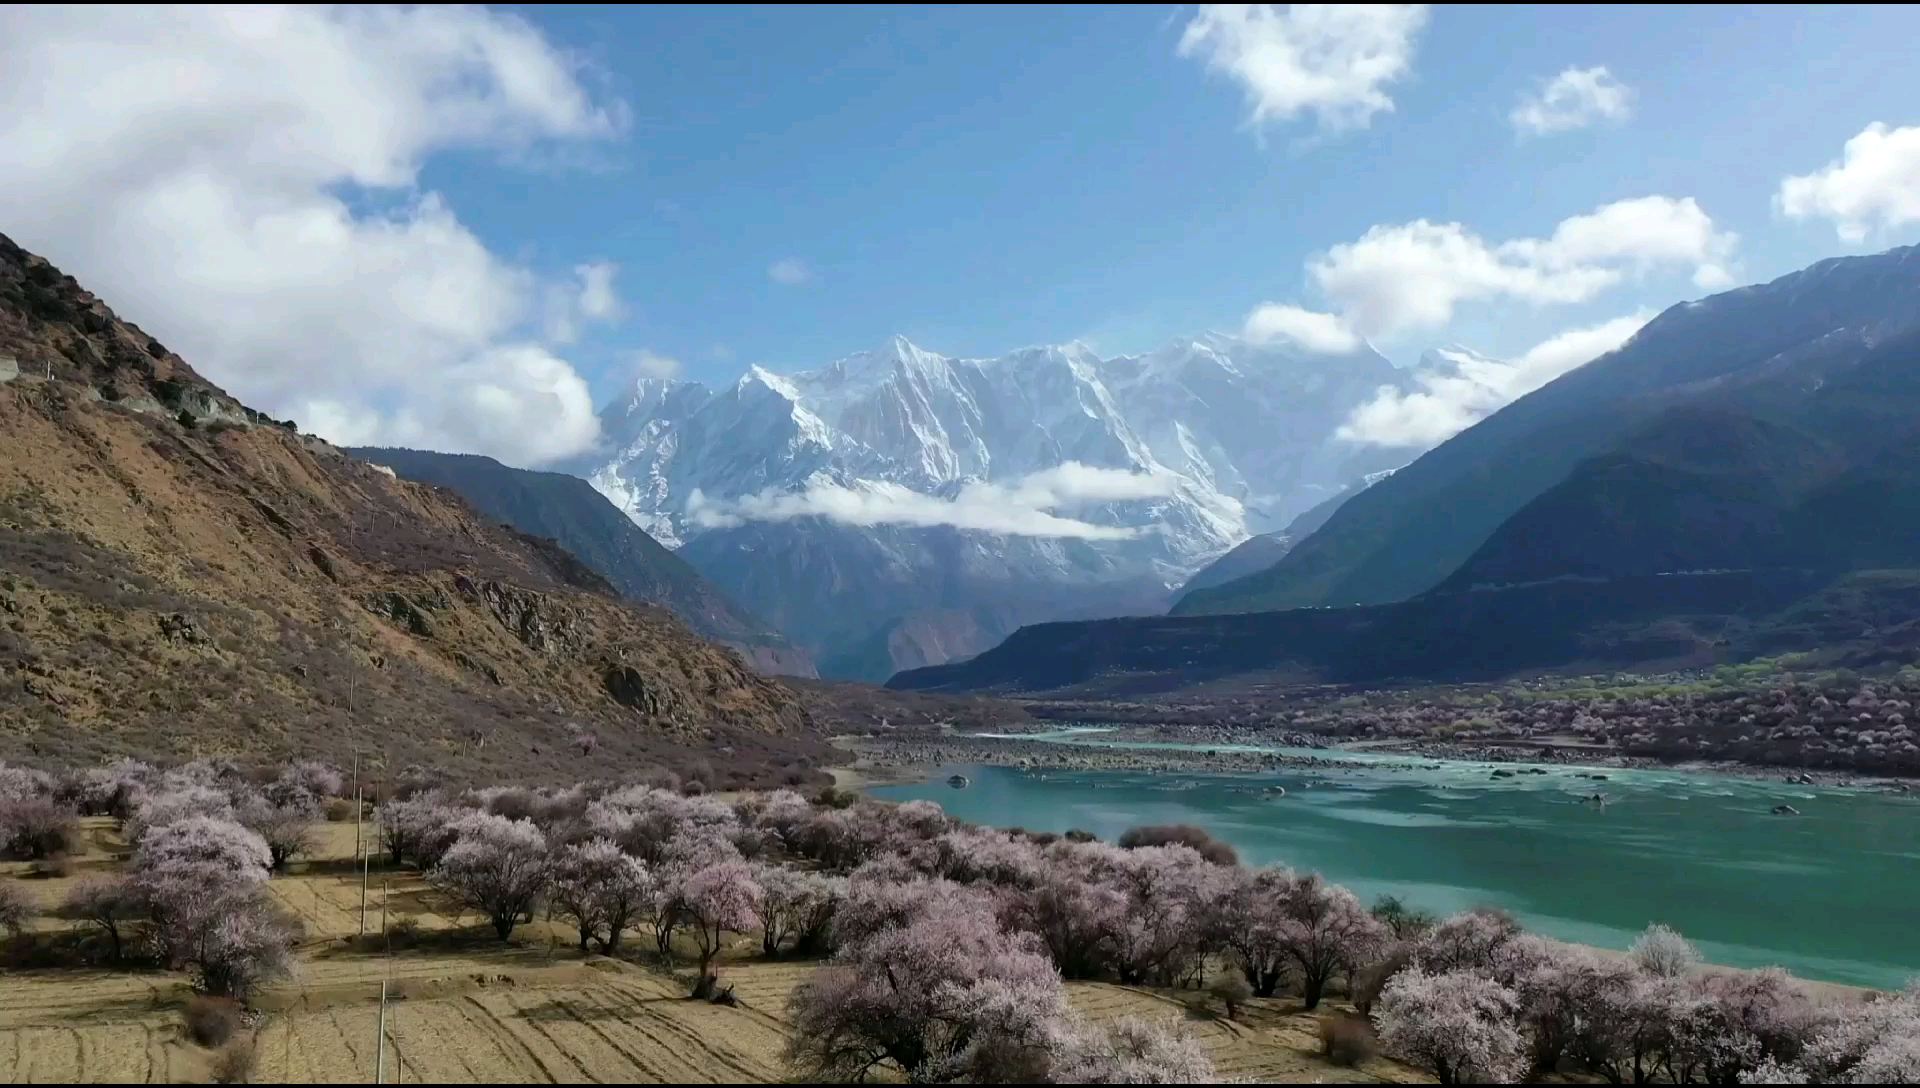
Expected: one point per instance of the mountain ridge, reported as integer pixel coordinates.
(185, 576)
(1408, 533)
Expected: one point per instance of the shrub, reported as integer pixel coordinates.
(1132, 1051)
(235, 1063)
(53, 866)
(1199, 839)
(211, 1021)
(835, 797)
(15, 907)
(1231, 990)
(340, 810)
(1346, 1040)
(404, 933)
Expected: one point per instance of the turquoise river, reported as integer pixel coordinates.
(1833, 893)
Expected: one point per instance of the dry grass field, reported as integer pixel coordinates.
(463, 1008)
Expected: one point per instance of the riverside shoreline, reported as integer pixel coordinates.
(881, 759)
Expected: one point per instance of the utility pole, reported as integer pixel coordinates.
(380, 1050)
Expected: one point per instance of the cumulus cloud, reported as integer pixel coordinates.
(244, 183)
(1575, 98)
(1875, 184)
(1332, 60)
(790, 271)
(649, 364)
(1024, 507)
(1412, 276)
(1310, 329)
(1466, 388)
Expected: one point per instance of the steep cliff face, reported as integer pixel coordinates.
(181, 574)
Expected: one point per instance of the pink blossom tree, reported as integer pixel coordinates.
(1663, 952)
(497, 866)
(1871, 1042)
(795, 907)
(418, 829)
(1467, 941)
(208, 842)
(245, 946)
(1076, 919)
(601, 890)
(1457, 1024)
(716, 900)
(287, 828)
(178, 802)
(1324, 929)
(1252, 922)
(35, 826)
(305, 783)
(947, 995)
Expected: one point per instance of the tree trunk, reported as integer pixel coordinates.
(503, 924)
(586, 934)
(1314, 983)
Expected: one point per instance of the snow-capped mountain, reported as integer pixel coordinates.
(899, 507)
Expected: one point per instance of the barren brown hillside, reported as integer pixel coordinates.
(180, 574)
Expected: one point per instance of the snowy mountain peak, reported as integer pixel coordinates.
(1079, 477)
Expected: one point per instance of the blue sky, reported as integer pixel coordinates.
(980, 179)
(380, 221)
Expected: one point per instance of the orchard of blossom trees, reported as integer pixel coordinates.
(943, 948)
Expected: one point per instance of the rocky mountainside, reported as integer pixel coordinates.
(181, 575)
(1742, 349)
(1240, 435)
(570, 512)
(1742, 477)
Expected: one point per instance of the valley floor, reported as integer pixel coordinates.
(464, 1008)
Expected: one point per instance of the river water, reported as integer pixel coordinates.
(1833, 893)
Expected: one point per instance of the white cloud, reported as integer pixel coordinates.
(1575, 98)
(1412, 276)
(590, 299)
(1875, 185)
(243, 182)
(597, 299)
(1314, 331)
(1024, 507)
(791, 271)
(1469, 387)
(1333, 60)
(648, 364)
